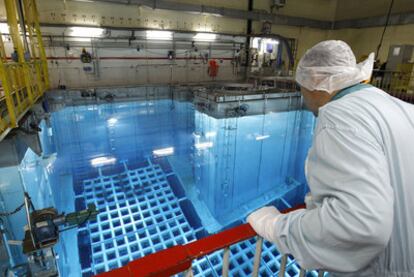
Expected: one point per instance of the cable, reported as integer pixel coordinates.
(385, 29)
(13, 212)
(75, 226)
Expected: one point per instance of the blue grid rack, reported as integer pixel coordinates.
(144, 210)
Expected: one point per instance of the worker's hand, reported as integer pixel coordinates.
(263, 221)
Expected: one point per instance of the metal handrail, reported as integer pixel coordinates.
(23, 81)
(178, 259)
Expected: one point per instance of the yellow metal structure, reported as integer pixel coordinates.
(23, 72)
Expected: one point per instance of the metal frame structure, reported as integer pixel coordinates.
(24, 75)
(178, 259)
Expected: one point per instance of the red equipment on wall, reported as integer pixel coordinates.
(213, 68)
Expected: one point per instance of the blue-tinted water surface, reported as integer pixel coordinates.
(162, 173)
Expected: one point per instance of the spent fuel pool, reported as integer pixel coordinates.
(161, 173)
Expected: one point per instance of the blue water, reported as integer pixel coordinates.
(161, 174)
(245, 160)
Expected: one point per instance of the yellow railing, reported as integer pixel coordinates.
(23, 73)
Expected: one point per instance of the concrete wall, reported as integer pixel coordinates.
(128, 67)
(347, 9)
(306, 37)
(123, 66)
(312, 9)
(134, 16)
(365, 41)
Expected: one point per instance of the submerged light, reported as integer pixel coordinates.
(102, 161)
(210, 134)
(163, 152)
(112, 121)
(203, 145)
(263, 137)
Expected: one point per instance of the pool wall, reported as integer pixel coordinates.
(220, 159)
(247, 158)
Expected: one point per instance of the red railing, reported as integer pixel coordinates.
(179, 258)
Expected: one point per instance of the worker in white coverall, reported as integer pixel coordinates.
(359, 219)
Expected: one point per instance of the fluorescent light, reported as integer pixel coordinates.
(203, 145)
(112, 121)
(4, 28)
(163, 152)
(81, 39)
(263, 137)
(255, 43)
(210, 134)
(102, 161)
(86, 32)
(205, 36)
(161, 35)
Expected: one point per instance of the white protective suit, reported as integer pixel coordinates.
(360, 170)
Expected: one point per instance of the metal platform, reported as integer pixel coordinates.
(139, 215)
(144, 210)
(241, 261)
(223, 103)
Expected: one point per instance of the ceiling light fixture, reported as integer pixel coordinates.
(205, 37)
(160, 35)
(86, 32)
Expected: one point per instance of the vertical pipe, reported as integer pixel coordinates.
(249, 29)
(257, 257)
(8, 95)
(22, 22)
(42, 53)
(27, 205)
(6, 85)
(282, 268)
(189, 273)
(226, 258)
(11, 12)
(6, 244)
(3, 57)
(28, 20)
(321, 273)
(385, 29)
(302, 272)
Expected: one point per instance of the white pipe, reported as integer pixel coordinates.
(257, 257)
(226, 258)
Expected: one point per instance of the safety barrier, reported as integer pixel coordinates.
(399, 83)
(24, 72)
(179, 259)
